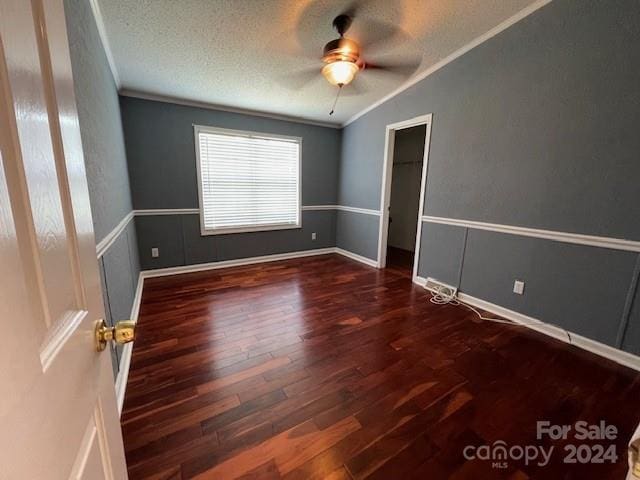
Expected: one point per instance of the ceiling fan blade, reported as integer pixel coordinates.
(372, 34)
(299, 79)
(354, 8)
(403, 68)
(287, 43)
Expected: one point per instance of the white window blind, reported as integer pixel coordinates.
(247, 181)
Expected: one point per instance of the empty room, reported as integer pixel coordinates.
(320, 239)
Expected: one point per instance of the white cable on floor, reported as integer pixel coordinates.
(442, 295)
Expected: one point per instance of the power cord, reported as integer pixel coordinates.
(442, 295)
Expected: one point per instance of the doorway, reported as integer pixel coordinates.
(408, 156)
(402, 199)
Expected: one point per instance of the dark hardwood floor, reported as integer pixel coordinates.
(321, 367)
(400, 261)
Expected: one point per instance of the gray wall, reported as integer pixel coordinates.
(582, 289)
(179, 241)
(105, 160)
(100, 123)
(408, 154)
(358, 233)
(120, 268)
(536, 127)
(160, 147)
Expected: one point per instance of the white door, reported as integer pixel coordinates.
(634, 456)
(58, 416)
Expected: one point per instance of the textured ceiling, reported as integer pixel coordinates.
(245, 53)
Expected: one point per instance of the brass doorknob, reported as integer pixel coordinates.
(122, 332)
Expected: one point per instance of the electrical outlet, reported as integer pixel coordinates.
(518, 287)
(313, 236)
(155, 252)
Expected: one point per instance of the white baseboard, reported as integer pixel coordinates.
(619, 356)
(123, 375)
(199, 267)
(421, 281)
(356, 257)
(125, 360)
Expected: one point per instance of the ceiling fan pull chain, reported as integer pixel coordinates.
(336, 100)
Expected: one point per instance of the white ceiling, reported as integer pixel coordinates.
(239, 53)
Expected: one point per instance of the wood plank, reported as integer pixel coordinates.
(321, 367)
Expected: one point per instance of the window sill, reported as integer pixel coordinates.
(260, 228)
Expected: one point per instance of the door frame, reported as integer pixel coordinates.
(63, 389)
(385, 193)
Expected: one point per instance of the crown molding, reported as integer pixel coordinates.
(282, 117)
(458, 53)
(125, 92)
(102, 33)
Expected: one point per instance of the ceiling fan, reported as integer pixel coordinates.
(344, 59)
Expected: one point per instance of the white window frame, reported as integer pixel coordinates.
(246, 133)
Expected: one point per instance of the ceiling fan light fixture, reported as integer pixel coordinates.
(340, 73)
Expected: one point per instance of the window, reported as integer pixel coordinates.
(247, 181)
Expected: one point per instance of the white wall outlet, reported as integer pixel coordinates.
(155, 252)
(313, 236)
(518, 287)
